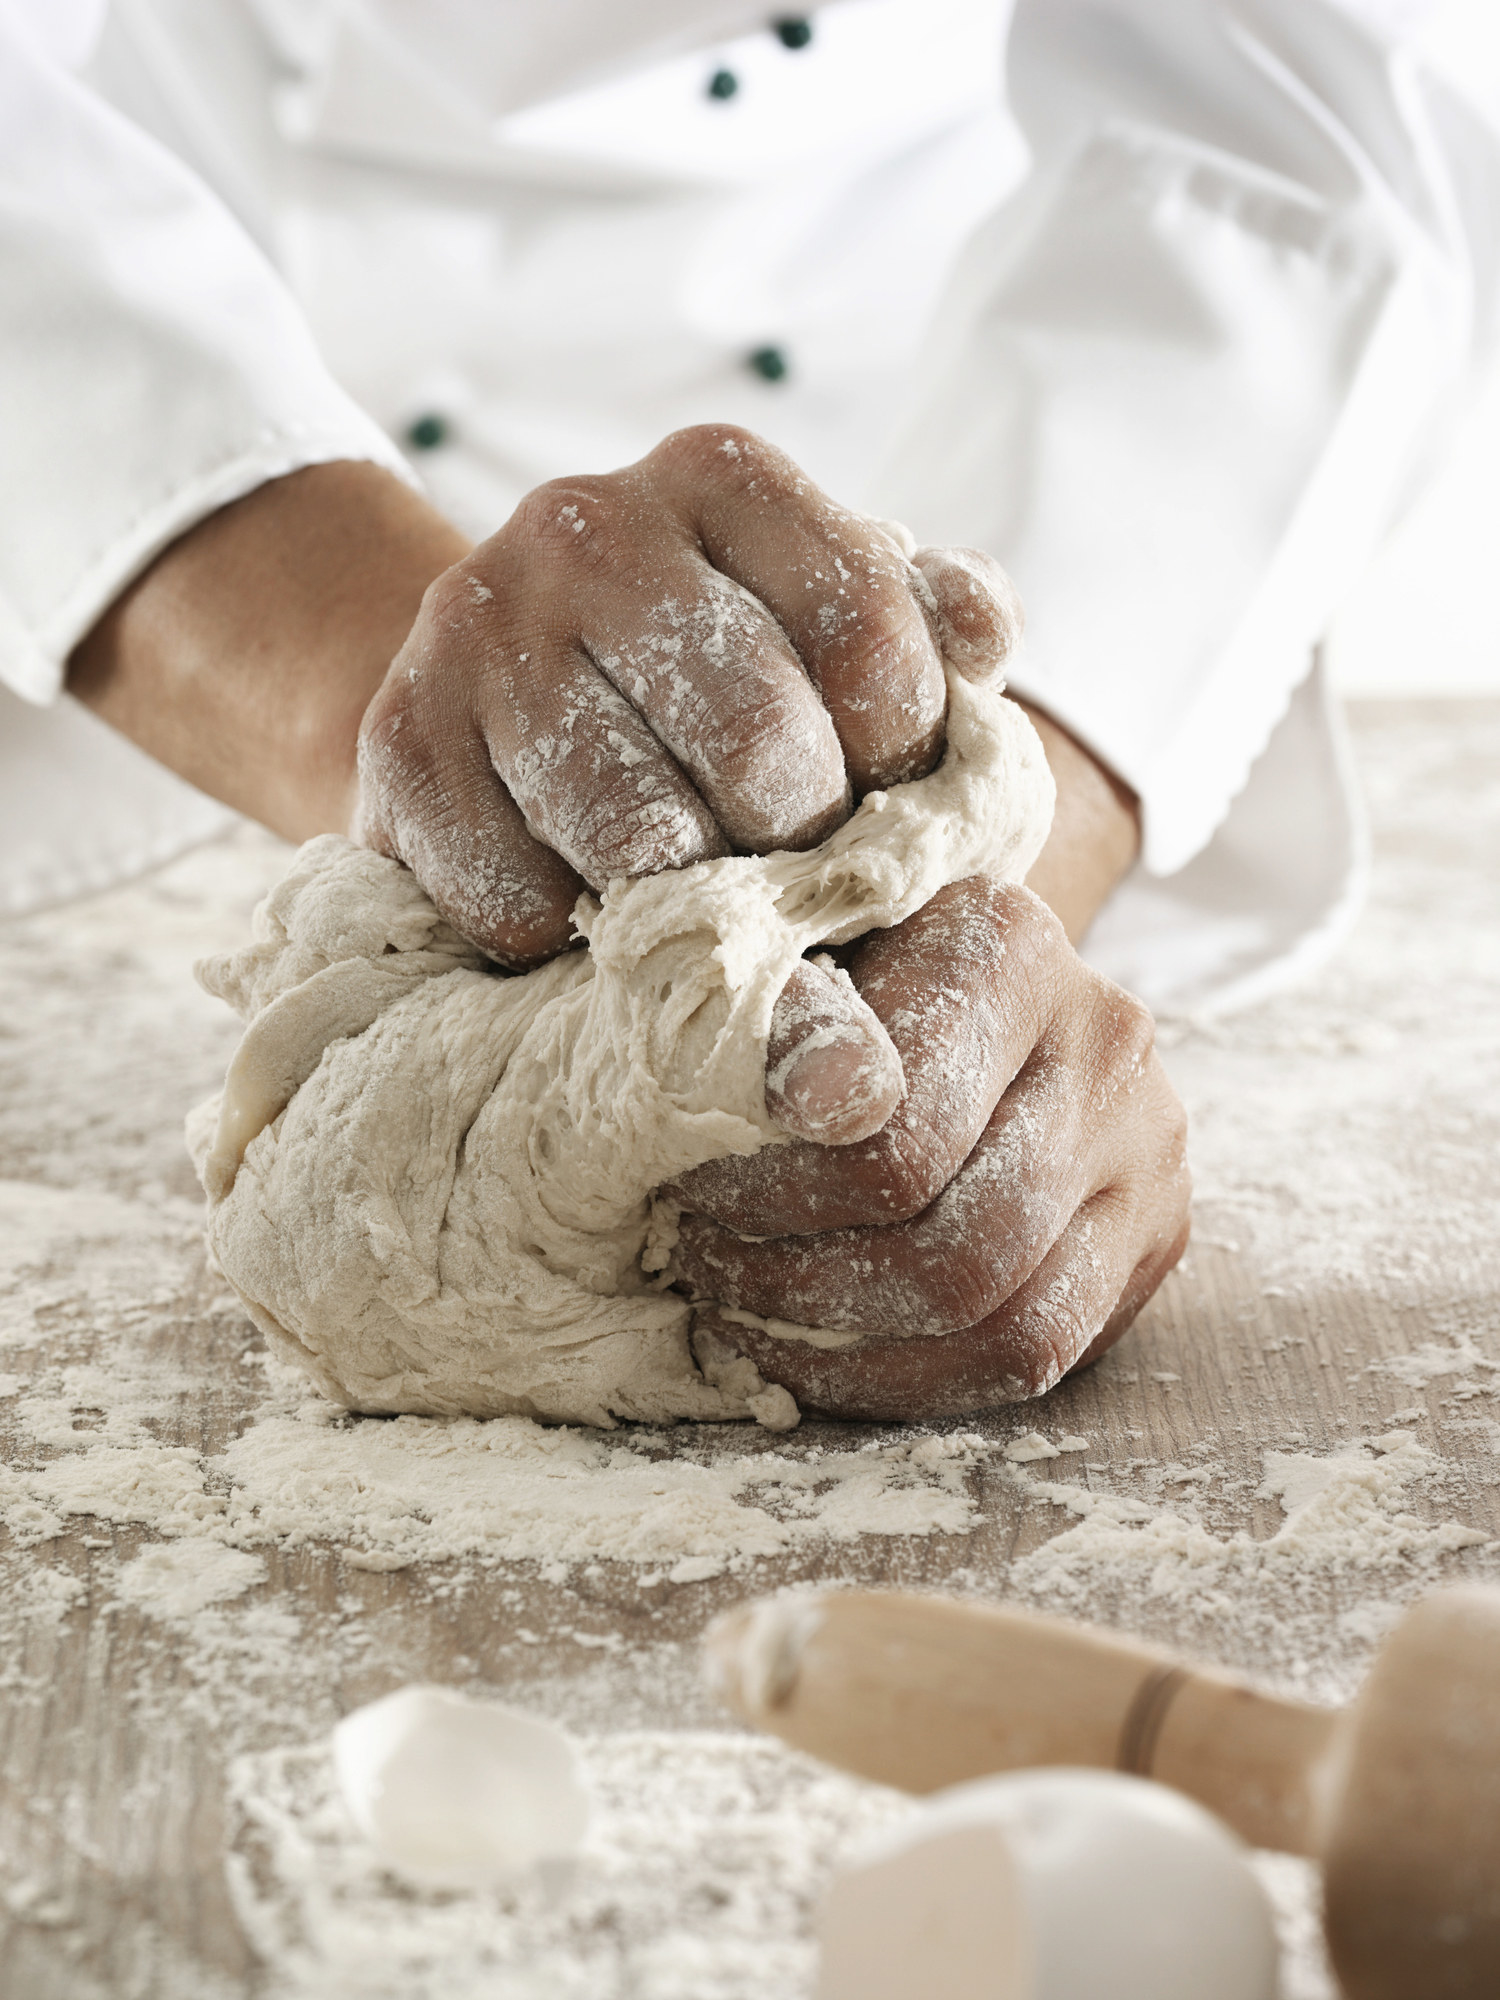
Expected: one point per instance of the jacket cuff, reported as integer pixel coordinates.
(34, 651)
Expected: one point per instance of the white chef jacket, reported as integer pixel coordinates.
(1172, 327)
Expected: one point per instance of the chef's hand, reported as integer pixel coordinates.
(1023, 1203)
(697, 655)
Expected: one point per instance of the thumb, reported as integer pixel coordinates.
(975, 614)
(832, 1071)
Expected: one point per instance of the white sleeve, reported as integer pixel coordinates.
(1189, 372)
(153, 366)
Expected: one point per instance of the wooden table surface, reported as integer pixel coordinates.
(158, 1834)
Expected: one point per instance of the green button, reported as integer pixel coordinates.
(723, 84)
(427, 433)
(793, 33)
(769, 363)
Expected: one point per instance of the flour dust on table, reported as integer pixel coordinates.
(431, 1184)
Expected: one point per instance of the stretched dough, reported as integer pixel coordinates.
(431, 1183)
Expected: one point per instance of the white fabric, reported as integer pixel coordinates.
(1269, 896)
(1180, 382)
(154, 369)
(1207, 347)
(81, 809)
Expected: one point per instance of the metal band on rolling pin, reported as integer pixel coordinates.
(1141, 1730)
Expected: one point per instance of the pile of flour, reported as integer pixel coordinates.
(430, 1185)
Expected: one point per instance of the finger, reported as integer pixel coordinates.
(589, 776)
(1097, 1275)
(1091, 1109)
(1081, 1297)
(436, 804)
(1144, 1282)
(832, 1073)
(836, 585)
(951, 1266)
(1123, 1240)
(1076, 1304)
(707, 667)
(963, 989)
(713, 674)
(975, 613)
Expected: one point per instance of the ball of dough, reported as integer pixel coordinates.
(431, 1184)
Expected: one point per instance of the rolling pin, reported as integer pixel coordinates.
(1397, 1795)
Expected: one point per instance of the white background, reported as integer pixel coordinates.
(1427, 618)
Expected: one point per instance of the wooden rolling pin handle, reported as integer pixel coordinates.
(925, 1692)
(1259, 1761)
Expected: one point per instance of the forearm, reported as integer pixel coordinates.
(1096, 830)
(245, 656)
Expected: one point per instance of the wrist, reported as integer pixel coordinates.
(245, 656)
(1096, 829)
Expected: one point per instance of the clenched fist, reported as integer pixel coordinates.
(1015, 1213)
(695, 656)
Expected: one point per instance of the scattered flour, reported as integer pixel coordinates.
(1346, 1519)
(179, 1579)
(43, 1594)
(1432, 1362)
(1031, 1445)
(387, 1493)
(414, 1489)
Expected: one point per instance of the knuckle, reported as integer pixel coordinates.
(971, 919)
(1114, 1041)
(725, 456)
(451, 603)
(1178, 1225)
(465, 614)
(395, 759)
(1129, 1032)
(386, 713)
(957, 1291)
(620, 833)
(1029, 922)
(577, 522)
(1176, 1139)
(1036, 957)
(912, 1174)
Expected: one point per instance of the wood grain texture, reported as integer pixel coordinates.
(1342, 1283)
